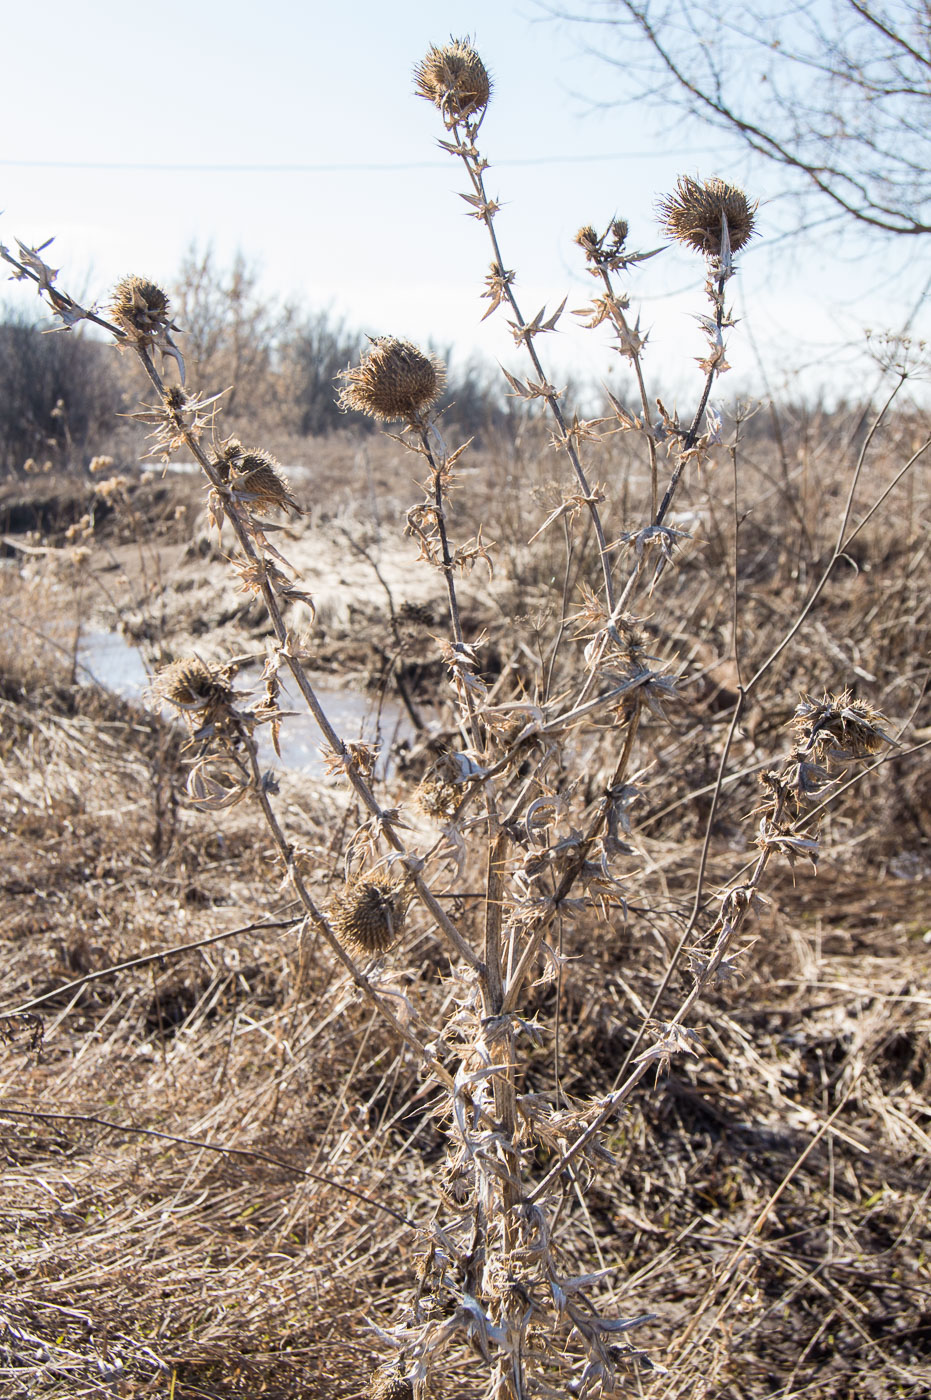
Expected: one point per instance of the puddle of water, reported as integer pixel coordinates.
(110, 661)
(114, 663)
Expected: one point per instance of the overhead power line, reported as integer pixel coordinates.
(340, 169)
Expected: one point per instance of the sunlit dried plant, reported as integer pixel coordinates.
(393, 382)
(368, 915)
(700, 213)
(254, 476)
(454, 78)
(532, 786)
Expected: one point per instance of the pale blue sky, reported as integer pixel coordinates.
(105, 109)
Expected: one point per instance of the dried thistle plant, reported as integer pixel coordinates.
(140, 310)
(454, 78)
(254, 476)
(368, 915)
(393, 382)
(533, 793)
(708, 215)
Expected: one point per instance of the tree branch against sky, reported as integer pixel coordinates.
(835, 92)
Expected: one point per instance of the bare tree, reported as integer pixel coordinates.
(233, 333)
(60, 393)
(836, 92)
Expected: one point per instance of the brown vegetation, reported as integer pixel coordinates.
(580, 1049)
(134, 1258)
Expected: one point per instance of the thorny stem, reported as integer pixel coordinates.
(617, 315)
(691, 436)
(484, 212)
(436, 471)
(490, 975)
(300, 676)
(518, 977)
(62, 304)
(688, 443)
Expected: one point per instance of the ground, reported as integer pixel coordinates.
(218, 1167)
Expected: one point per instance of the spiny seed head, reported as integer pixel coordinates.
(437, 798)
(839, 727)
(369, 914)
(695, 212)
(140, 308)
(394, 380)
(191, 684)
(588, 240)
(254, 475)
(603, 250)
(258, 477)
(454, 79)
(388, 1383)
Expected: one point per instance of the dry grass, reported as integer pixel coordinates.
(132, 1259)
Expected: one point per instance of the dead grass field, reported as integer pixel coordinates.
(217, 1164)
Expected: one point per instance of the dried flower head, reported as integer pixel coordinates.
(588, 240)
(454, 79)
(605, 251)
(698, 210)
(394, 381)
(389, 1383)
(140, 308)
(192, 685)
(436, 798)
(112, 489)
(369, 913)
(254, 475)
(840, 728)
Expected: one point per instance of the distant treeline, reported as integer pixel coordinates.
(63, 391)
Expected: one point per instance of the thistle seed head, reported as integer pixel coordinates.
(192, 685)
(840, 728)
(588, 241)
(437, 798)
(369, 914)
(388, 1383)
(140, 308)
(604, 250)
(254, 475)
(695, 212)
(394, 381)
(454, 79)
